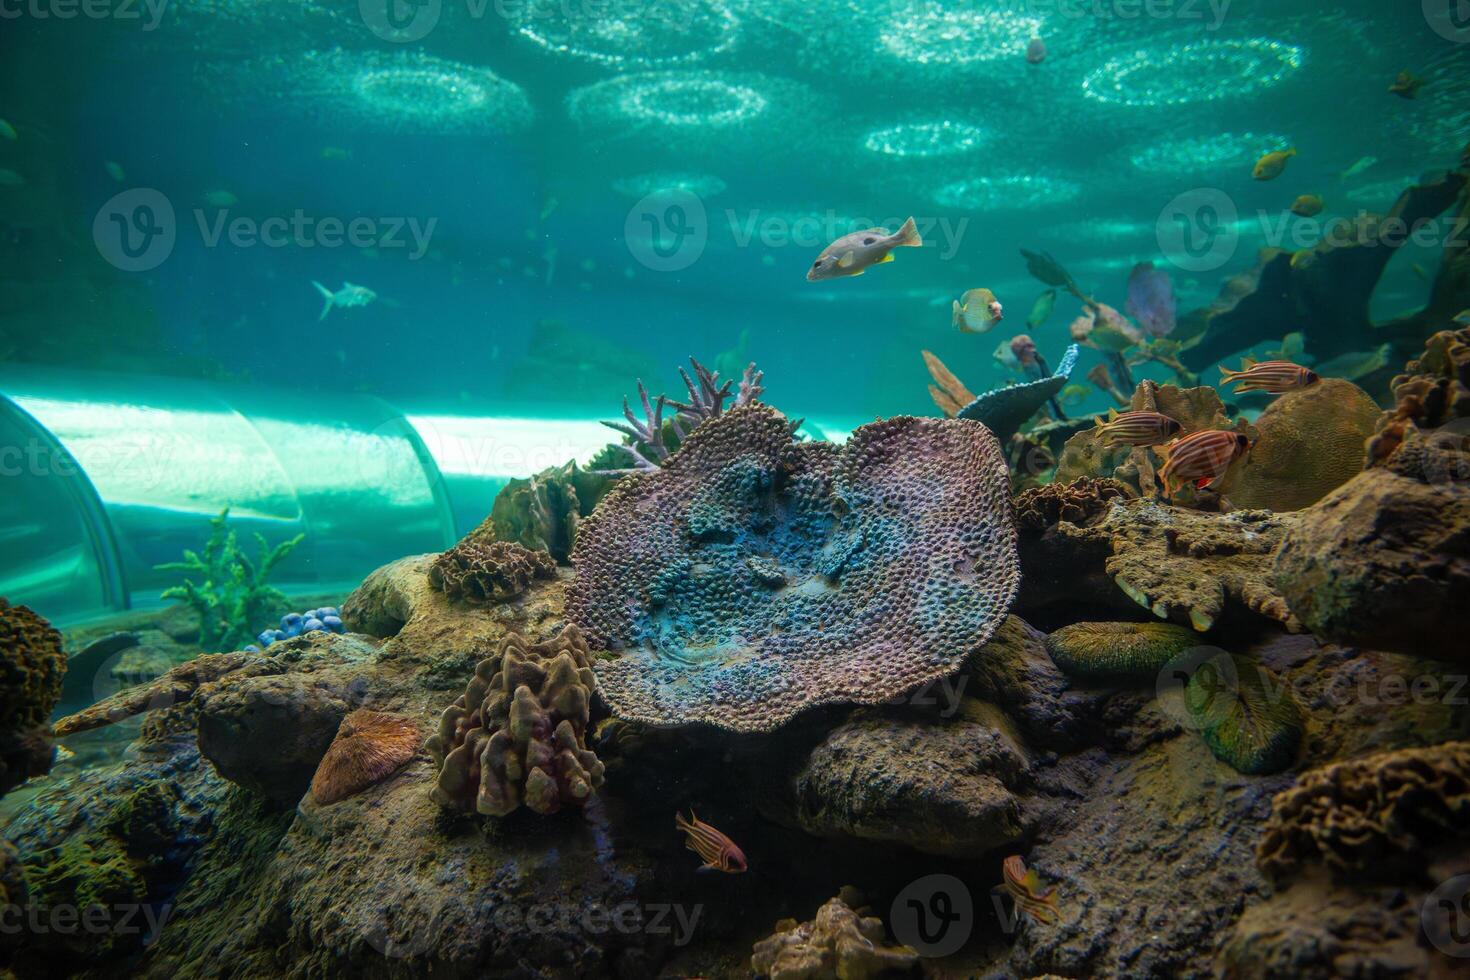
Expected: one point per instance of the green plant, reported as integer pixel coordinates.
(233, 597)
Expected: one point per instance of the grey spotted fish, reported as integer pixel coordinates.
(348, 296)
(851, 255)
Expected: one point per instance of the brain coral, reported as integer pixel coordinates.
(489, 572)
(1118, 651)
(518, 735)
(754, 576)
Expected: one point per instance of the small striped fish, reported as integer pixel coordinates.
(1024, 887)
(1272, 376)
(1200, 458)
(720, 853)
(1137, 428)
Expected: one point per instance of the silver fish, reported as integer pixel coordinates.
(851, 254)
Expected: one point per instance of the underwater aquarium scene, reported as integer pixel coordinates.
(704, 489)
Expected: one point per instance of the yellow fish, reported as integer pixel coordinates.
(851, 254)
(1406, 85)
(1272, 164)
(977, 311)
(1307, 206)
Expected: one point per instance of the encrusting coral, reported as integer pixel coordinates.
(1078, 502)
(518, 735)
(370, 746)
(489, 572)
(1433, 391)
(1113, 652)
(839, 943)
(1379, 813)
(754, 576)
(32, 666)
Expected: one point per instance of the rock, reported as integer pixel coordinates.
(32, 666)
(1013, 669)
(839, 944)
(387, 598)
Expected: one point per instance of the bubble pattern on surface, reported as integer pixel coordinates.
(755, 576)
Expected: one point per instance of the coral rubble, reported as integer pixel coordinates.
(489, 572)
(369, 747)
(754, 576)
(32, 666)
(1433, 391)
(518, 735)
(838, 944)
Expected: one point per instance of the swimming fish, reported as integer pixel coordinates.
(1036, 51)
(335, 153)
(9, 178)
(1151, 299)
(7, 130)
(1024, 887)
(1073, 394)
(220, 199)
(1463, 318)
(1291, 345)
(346, 297)
(1420, 271)
(1406, 85)
(1307, 206)
(1361, 165)
(114, 170)
(1272, 164)
(1006, 357)
(720, 853)
(1303, 258)
(1136, 428)
(1272, 376)
(1356, 364)
(1041, 309)
(1200, 458)
(851, 255)
(1104, 328)
(977, 311)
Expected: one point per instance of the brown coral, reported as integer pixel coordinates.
(492, 571)
(370, 746)
(32, 666)
(518, 735)
(838, 943)
(1079, 502)
(1369, 813)
(1434, 390)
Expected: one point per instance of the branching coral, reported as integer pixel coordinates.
(489, 572)
(232, 596)
(1373, 813)
(370, 746)
(32, 666)
(1078, 502)
(518, 735)
(651, 441)
(755, 576)
(838, 943)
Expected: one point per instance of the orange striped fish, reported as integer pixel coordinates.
(1137, 428)
(1272, 376)
(1200, 458)
(1024, 887)
(720, 853)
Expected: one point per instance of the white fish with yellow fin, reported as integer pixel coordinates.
(977, 311)
(851, 255)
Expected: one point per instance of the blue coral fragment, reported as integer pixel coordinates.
(1005, 410)
(324, 620)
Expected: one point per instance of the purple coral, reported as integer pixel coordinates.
(649, 443)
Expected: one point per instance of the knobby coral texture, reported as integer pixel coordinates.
(754, 576)
(489, 571)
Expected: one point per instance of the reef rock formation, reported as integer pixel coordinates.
(370, 746)
(518, 735)
(1078, 502)
(1377, 815)
(1433, 391)
(754, 576)
(489, 572)
(1384, 560)
(838, 944)
(1308, 443)
(542, 512)
(1118, 652)
(32, 666)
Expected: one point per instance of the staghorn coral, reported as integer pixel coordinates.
(1308, 443)
(1079, 502)
(370, 746)
(838, 944)
(1118, 651)
(652, 440)
(1380, 812)
(754, 576)
(489, 572)
(1245, 714)
(32, 666)
(1434, 390)
(518, 735)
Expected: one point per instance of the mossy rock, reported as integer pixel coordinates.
(1118, 652)
(1245, 713)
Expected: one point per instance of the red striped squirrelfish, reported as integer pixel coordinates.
(1024, 886)
(1136, 428)
(720, 853)
(1200, 458)
(1272, 376)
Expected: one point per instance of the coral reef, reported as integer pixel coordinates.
(326, 619)
(754, 576)
(32, 667)
(652, 440)
(1078, 502)
(1308, 443)
(518, 735)
(1003, 410)
(1433, 391)
(488, 573)
(542, 512)
(232, 593)
(1244, 713)
(370, 746)
(838, 944)
(1384, 560)
(1377, 815)
(1118, 652)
